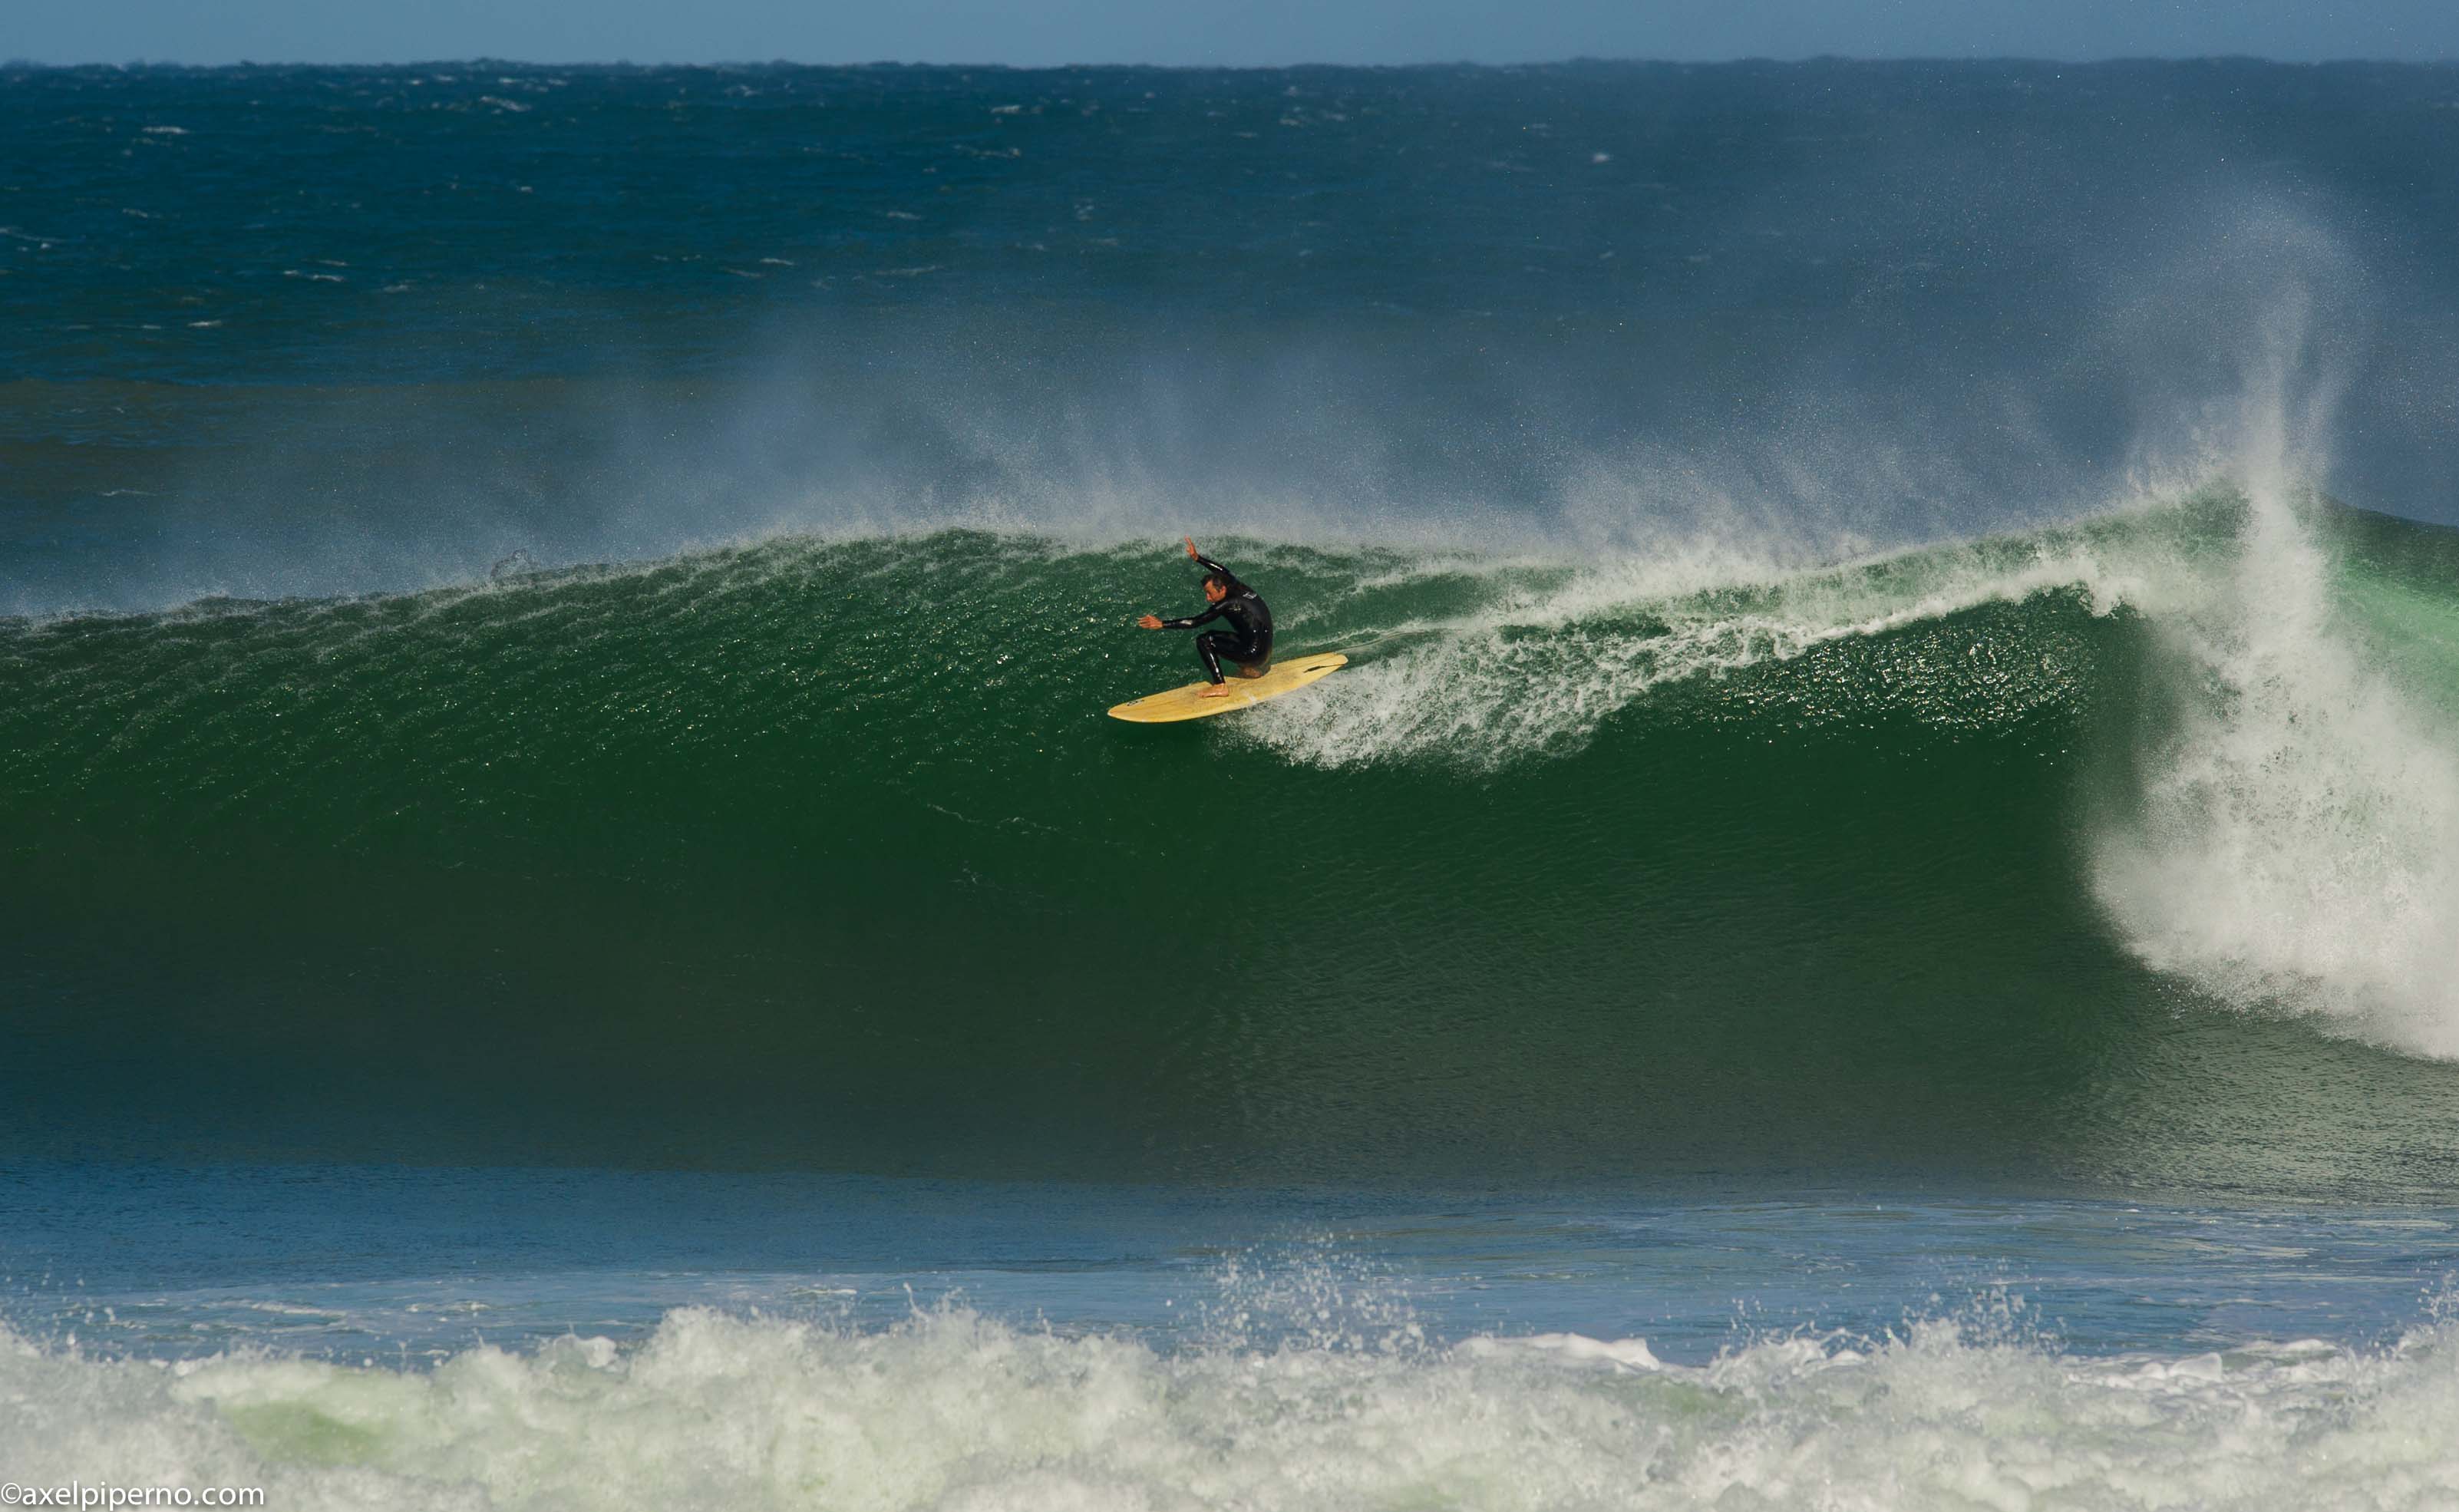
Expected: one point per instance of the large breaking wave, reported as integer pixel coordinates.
(1574, 841)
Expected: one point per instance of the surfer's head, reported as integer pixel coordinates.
(1217, 586)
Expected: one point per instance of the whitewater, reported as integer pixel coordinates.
(955, 1410)
(1871, 924)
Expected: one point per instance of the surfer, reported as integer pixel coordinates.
(1249, 648)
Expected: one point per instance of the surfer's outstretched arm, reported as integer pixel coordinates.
(1154, 623)
(1204, 562)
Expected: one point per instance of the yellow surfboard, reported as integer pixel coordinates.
(1188, 702)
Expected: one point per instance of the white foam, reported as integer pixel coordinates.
(2296, 841)
(954, 1411)
(1484, 689)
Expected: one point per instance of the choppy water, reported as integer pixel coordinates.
(792, 1341)
(1892, 829)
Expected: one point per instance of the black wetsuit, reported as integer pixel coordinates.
(1250, 645)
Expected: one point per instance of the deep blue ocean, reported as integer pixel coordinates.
(1873, 923)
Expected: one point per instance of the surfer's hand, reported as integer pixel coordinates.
(1190, 546)
(1150, 621)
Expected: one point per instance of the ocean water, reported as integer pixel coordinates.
(1873, 924)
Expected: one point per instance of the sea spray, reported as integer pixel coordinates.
(2296, 841)
(1578, 867)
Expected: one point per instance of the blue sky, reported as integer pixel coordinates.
(1220, 31)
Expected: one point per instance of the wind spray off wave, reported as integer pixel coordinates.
(562, 862)
(776, 808)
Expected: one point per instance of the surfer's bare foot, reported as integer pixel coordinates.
(1216, 690)
(1250, 672)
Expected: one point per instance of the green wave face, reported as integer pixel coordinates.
(821, 854)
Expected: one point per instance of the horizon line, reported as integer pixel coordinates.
(474, 60)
